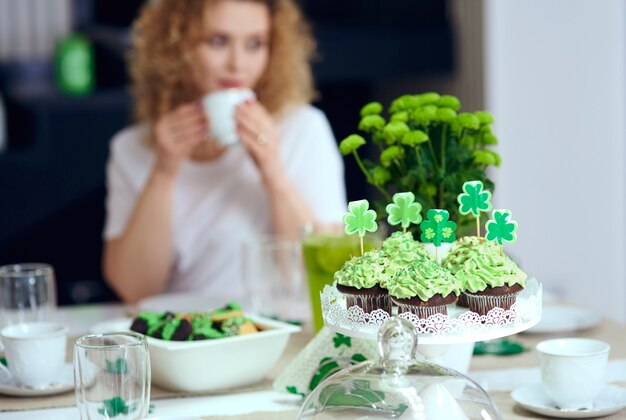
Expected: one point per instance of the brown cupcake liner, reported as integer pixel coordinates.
(422, 312)
(368, 303)
(482, 304)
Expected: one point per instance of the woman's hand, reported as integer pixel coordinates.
(177, 133)
(259, 135)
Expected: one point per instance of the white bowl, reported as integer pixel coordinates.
(211, 365)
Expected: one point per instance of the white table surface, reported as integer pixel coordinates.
(495, 374)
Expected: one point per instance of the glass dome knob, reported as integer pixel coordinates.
(397, 344)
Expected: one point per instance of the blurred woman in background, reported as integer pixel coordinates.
(180, 205)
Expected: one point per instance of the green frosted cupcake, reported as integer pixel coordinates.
(363, 280)
(423, 288)
(465, 247)
(491, 281)
(401, 248)
(462, 249)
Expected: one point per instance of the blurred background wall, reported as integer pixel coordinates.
(555, 75)
(552, 73)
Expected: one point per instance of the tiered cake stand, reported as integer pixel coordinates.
(437, 332)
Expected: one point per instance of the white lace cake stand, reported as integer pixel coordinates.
(437, 332)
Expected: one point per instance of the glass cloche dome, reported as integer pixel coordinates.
(398, 387)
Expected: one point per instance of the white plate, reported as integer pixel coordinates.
(180, 302)
(532, 397)
(65, 383)
(560, 318)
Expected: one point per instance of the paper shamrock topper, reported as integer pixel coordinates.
(438, 228)
(404, 210)
(501, 228)
(360, 218)
(474, 200)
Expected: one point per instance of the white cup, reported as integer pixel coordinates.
(220, 108)
(573, 370)
(35, 352)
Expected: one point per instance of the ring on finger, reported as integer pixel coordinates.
(261, 139)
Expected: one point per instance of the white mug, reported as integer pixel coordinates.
(573, 370)
(35, 352)
(220, 109)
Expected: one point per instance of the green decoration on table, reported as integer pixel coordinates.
(501, 228)
(358, 395)
(119, 366)
(423, 143)
(340, 339)
(360, 219)
(328, 366)
(474, 200)
(114, 407)
(3, 361)
(437, 228)
(404, 210)
(502, 347)
(294, 390)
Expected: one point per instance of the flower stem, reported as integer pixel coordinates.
(432, 152)
(368, 176)
(441, 192)
(419, 162)
(383, 192)
(360, 163)
(444, 136)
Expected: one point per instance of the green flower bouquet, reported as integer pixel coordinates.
(426, 146)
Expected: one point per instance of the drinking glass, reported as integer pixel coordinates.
(272, 273)
(27, 293)
(112, 376)
(325, 247)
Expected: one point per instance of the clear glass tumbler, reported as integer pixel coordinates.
(272, 274)
(112, 376)
(27, 293)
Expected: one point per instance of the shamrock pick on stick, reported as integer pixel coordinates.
(501, 228)
(437, 228)
(360, 218)
(404, 210)
(474, 200)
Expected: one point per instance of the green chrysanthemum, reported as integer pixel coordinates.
(394, 131)
(372, 108)
(468, 121)
(351, 144)
(390, 154)
(370, 123)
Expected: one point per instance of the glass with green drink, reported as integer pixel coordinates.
(325, 247)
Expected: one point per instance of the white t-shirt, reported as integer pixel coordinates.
(220, 204)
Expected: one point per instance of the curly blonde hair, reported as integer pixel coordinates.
(167, 32)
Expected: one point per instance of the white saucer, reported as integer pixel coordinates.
(560, 318)
(65, 383)
(532, 397)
